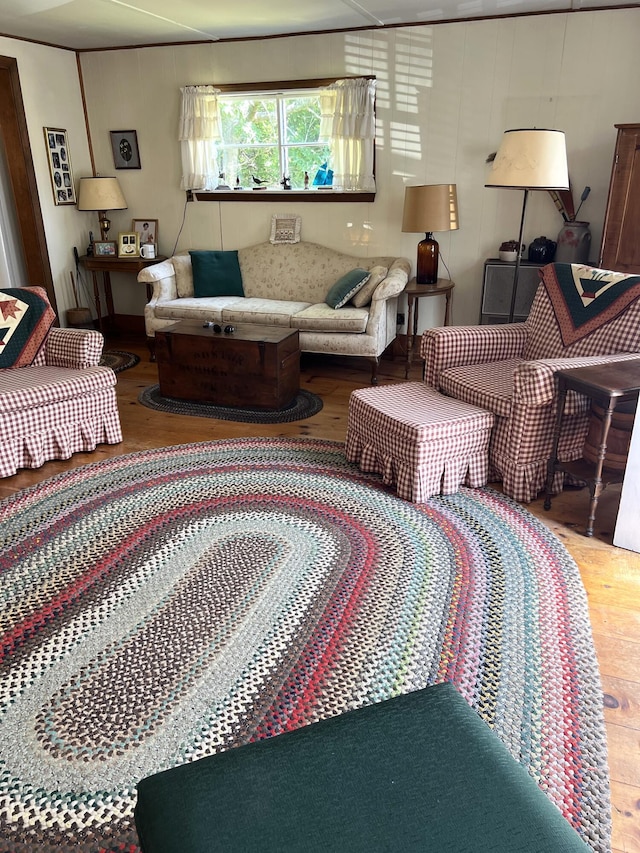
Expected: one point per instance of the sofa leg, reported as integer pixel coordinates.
(374, 370)
(151, 343)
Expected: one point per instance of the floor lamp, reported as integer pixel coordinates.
(529, 159)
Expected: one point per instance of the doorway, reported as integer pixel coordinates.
(21, 188)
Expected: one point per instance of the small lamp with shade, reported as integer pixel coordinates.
(101, 194)
(429, 208)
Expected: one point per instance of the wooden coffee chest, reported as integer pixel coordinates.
(254, 367)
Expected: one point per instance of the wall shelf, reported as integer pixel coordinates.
(281, 195)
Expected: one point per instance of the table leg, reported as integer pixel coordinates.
(96, 297)
(447, 308)
(108, 294)
(595, 485)
(412, 330)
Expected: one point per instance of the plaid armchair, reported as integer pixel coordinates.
(580, 316)
(55, 399)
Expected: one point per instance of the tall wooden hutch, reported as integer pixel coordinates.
(621, 234)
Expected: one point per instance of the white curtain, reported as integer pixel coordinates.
(348, 122)
(198, 134)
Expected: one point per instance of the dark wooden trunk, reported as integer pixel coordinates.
(254, 367)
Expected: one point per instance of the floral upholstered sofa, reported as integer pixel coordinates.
(286, 285)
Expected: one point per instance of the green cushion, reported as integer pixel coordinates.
(346, 287)
(216, 273)
(420, 772)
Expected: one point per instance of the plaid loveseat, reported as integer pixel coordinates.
(59, 402)
(580, 316)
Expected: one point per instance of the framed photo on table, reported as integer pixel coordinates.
(147, 229)
(124, 145)
(64, 191)
(105, 249)
(128, 245)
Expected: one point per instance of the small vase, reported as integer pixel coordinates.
(574, 243)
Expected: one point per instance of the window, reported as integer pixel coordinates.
(271, 137)
(279, 136)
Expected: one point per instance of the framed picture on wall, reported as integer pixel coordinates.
(64, 191)
(285, 228)
(124, 145)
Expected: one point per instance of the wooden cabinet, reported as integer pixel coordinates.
(621, 235)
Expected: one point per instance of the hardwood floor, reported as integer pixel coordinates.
(611, 575)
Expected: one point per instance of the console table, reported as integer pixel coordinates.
(106, 265)
(608, 384)
(415, 291)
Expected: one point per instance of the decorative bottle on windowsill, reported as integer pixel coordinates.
(574, 243)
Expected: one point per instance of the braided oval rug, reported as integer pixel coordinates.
(163, 606)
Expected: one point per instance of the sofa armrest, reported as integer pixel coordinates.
(534, 381)
(454, 346)
(79, 348)
(163, 278)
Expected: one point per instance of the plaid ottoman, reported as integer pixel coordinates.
(418, 440)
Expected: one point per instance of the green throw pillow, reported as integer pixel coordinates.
(216, 274)
(346, 287)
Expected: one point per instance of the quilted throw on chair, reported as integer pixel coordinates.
(585, 298)
(25, 318)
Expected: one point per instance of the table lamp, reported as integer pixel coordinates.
(529, 159)
(429, 208)
(101, 194)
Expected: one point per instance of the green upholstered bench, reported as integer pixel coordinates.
(420, 772)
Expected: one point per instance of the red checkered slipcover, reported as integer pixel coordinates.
(503, 369)
(63, 403)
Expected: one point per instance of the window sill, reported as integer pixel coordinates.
(271, 195)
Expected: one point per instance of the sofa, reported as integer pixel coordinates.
(286, 285)
(55, 398)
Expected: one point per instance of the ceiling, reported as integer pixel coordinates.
(96, 24)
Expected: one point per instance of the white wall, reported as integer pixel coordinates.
(446, 93)
(51, 94)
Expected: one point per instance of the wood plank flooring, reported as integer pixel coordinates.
(611, 575)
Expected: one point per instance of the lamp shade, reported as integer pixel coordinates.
(530, 159)
(433, 207)
(100, 194)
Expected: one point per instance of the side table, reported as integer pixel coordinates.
(106, 265)
(608, 384)
(414, 291)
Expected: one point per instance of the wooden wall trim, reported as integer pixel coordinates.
(24, 187)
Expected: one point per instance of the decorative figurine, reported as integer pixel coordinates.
(306, 180)
(285, 183)
(238, 185)
(259, 183)
(221, 183)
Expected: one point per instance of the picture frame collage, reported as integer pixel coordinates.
(59, 159)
